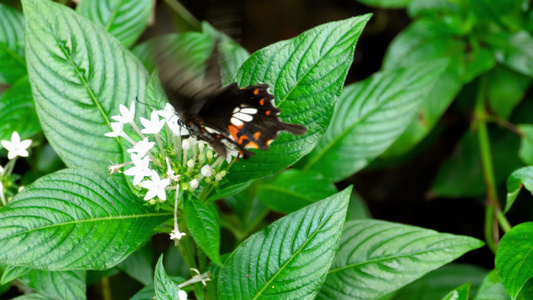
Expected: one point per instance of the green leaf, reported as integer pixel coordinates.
(306, 74)
(426, 40)
(517, 180)
(32, 296)
(12, 273)
(357, 209)
(294, 189)
(506, 89)
(146, 293)
(204, 224)
(492, 288)
(229, 190)
(79, 76)
(12, 64)
(506, 13)
(435, 8)
(386, 3)
(370, 116)
(461, 175)
(75, 219)
(57, 285)
(165, 288)
(514, 259)
(17, 111)
(526, 143)
(289, 259)
(124, 19)
(514, 50)
(436, 284)
(138, 265)
(460, 293)
(378, 257)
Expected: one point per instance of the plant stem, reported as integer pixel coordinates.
(106, 291)
(493, 211)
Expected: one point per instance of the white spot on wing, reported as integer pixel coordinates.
(236, 122)
(211, 130)
(243, 117)
(249, 110)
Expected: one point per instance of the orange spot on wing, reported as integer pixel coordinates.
(256, 91)
(241, 139)
(256, 135)
(233, 131)
(252, 145)
(267, 112)
(262, 101)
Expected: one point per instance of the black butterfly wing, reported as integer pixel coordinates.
(245, 117)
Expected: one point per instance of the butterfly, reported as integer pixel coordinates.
(244, 118)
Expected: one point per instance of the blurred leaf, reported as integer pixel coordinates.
(12, 64)
(437, 283)
(229, 190)
(75, 219)
(294, 189)
(204, 224)
(377, 257)
(506, 89)
(514, 259)
(506, 13)
(124, 19)
(370, 116)
(138, 265)
(289, 259)
(478, 61)
(434, 8)
(526, 143)
(492, 288)
(514, 50)
(307, 76)
(357, 209)
(460, 293)
(146, 293)
(79, 76)
(57, 285)
(461, 175)
(386, 3)
(165, 287)
(425, 41)
(17, 112)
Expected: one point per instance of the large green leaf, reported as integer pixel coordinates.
(124, 19)
(514, 258)
(203, 223)
(378, 257)
(290, 258)
(505, 89)
(427, 40)
(370, 116)
(57, 285)
(79, 76)
(460, 293)
(305, 74)
(74, 219)
(12, 64)
(520, 178)
(165, 287)
(492, 288)
(17, 111)
(294, 189)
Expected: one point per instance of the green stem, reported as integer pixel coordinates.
(184, 14)
(493, 211)
(106, 289)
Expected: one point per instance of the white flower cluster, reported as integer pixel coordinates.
(178, 163)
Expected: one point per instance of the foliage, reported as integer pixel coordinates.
(79, 84)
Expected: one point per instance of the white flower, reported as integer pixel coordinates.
(16, 147)
(140, 168)
(207, 171)
(156, 187)
(171, 117)
(182, 295)
(176, 234)
(127, 115)
(170, 173)
(194, 184)
(231, 154)
(154, 125)
(117, 130)
(142, 147)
